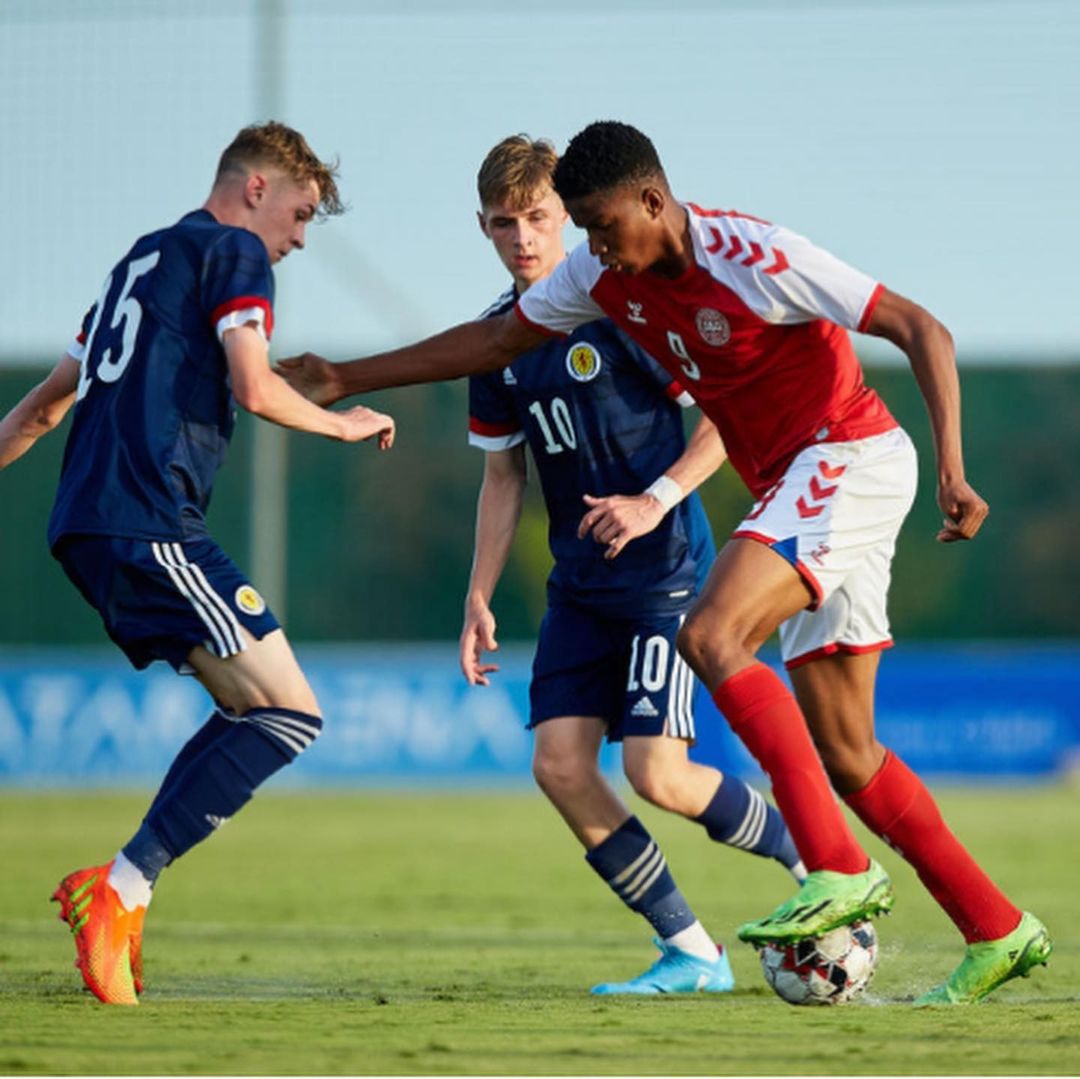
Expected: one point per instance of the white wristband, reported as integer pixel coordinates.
(666, 491)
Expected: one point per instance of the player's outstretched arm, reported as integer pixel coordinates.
(260, 391)
(39, 411)
(468, 349)
(930, 351)
(615, 520)
(498, 509)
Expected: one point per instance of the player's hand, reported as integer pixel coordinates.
(312, 376)
(362, 423)
(964, 509)
(477, 637)
(615, 520)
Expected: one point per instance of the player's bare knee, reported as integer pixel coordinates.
(709, 646)
(289, 689)
(300, 699)
(557, 774)
(692, 643)
(250, 698)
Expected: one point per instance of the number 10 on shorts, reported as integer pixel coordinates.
(648, 664)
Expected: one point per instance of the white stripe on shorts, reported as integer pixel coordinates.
(215, 604)
(680, 717)
(192, 584)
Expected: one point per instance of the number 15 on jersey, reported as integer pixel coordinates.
(124, 311)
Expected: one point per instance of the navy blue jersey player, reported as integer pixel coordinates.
(631, 546)
(591, 409)
(177, 338)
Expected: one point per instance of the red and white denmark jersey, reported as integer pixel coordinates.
(756, 330)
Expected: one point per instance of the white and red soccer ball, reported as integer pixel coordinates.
(830, 969)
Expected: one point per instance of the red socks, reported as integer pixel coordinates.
(896, 805)
(763, 713)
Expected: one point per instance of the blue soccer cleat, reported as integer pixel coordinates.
(676, 971)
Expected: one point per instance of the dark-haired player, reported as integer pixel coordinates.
(178, 336)
(603, 423)
(753, 320)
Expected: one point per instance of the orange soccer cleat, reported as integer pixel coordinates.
(105, 932)
(138, 916)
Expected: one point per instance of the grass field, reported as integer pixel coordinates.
(458, 934)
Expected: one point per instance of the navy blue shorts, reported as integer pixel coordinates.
(626, 672)
(160, 600)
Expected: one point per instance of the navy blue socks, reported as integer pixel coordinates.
(214, 776)
(740, 817)
(635, 869)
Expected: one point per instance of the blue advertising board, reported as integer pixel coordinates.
(403, 714)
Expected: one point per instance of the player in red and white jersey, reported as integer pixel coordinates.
(753, 320)
(753, 326)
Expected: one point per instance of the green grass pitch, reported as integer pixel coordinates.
(449, 933)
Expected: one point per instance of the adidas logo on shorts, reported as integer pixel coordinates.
(644, 707)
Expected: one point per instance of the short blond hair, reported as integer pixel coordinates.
(515, 171)
(274, 144)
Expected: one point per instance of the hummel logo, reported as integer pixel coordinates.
(644, 707)
(634, 314)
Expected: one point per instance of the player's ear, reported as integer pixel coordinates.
(481, 220)
(653, 200)
(255, 189)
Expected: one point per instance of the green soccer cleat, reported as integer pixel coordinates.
(990, 963)
(825, 901)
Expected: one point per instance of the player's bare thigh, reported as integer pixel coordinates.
(265, 675)
(836, 694)
(750, 590)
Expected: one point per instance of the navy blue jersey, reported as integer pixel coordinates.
(601, 417)
(155, 411)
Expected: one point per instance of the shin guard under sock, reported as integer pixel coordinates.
(764, 714)
(896, 805)
(219, 780)
(635, 869)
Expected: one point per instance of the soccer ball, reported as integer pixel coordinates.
(830, 969)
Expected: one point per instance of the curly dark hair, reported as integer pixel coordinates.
(604, 155)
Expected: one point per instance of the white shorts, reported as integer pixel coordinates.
(835, 516)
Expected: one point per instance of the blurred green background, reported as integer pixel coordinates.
(915, 141)
(379, 545)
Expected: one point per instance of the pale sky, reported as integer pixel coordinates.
(935, 146)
